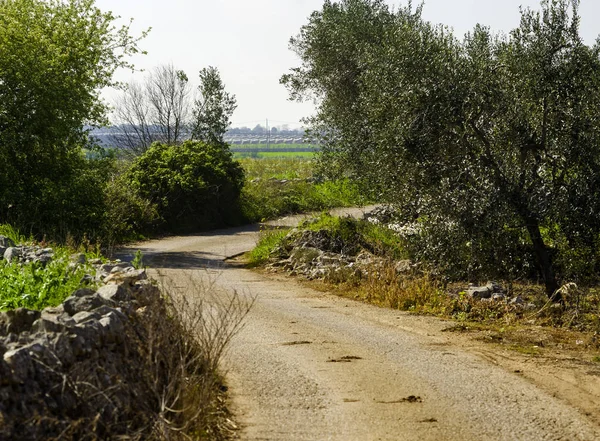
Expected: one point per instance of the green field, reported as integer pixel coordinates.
(273, 155)
(272, 146)
(259, 151)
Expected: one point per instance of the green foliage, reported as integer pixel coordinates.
(128, 216)
(55, 56)
(37, 286)
(194, 185)
(489, 140)
(138, 260)
(12, 233)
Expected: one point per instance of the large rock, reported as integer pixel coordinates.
(20, 320)
(486, 291)
(6, 242)
(12, 253)
(75, 304)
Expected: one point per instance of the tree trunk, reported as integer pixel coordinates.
(543, 258)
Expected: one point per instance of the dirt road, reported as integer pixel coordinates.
(310, 366)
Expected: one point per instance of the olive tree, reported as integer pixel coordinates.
(492, 141)
(55, 56)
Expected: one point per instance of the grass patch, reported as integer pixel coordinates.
(12, 233)
(269, 240)
(360, 234)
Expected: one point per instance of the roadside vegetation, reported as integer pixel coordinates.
(489, 140)
(374, 263)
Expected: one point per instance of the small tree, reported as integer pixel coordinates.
(213, 108)
(55, 57)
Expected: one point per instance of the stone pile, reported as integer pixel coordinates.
(22, 253)
(319, 255)
(76, 370)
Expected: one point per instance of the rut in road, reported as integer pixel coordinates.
(310, 366)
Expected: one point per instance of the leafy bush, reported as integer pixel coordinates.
(56, 56)
(193, 185)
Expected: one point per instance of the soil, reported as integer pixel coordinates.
(309, 365)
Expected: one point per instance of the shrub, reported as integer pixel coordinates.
(128, 215)
(193, 185)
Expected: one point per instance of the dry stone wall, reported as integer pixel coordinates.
(81, 370)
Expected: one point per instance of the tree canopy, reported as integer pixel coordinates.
(55, 56)
(491, 141)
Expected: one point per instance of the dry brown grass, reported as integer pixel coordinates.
(529, 328)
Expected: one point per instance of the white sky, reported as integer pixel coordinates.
(247, 40)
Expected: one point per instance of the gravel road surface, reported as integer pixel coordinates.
(312, 366)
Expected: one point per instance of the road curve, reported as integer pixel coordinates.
(311, 366)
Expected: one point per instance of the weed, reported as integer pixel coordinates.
(191, 346)
(138, 260)
(35, 285)
(12, 233)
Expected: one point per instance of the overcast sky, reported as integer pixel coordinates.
(247, 40)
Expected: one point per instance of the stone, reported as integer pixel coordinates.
(115, 293)
(516, 301)
(83, 292)
(106, 268)
(78, 258)
(122, 265)
(47, 323)
(484, 292)
(86, 279)
(21, 320)
(403, 266)
(479, 292)
(113, 327)
(12, 253)
(85, 316)
(75, 304)
(6, 242)
(20, 364)
(127, 277)
(498, 297)
(304, 254)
